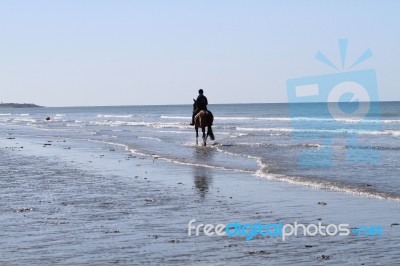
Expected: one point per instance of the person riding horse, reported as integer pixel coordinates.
(202, 118)
(201, 104)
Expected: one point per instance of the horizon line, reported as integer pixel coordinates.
(181, 104)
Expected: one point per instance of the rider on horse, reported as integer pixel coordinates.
(201, 105)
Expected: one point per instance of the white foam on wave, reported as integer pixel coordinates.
(258, 144)
(334, 131)
(390, 121)
(147, 124)
(174, 132)
(238, 154)
(115, 116)
(318, 184)
(327, 186)
(171, 125)
(175, 117)
(119, 123)
(5, 114)
(150, 138)
(281, 129)
(239, 118)
(24, 115)
(369, 121)
(18, 120)
(73, 125)
(175, 161)
(289, 119)
(341, 120)
(125, 146)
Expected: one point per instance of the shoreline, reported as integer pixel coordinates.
(171, 195)
(19, 105)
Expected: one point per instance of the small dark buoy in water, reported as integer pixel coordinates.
(48, 118)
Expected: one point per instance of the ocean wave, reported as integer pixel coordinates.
(174, 132)
(376, 147)
(288, 119)
(73, 125)
(264, 129)
(319, 146)
(392, 132)
(263, 144)
(5, 114)
(122, 145)
(344, 120)
(118, 123)
(240, 118)
(150, 138)
(327, 185)
(395, 133)
(115, 116)
(175, 117)
(237, 154)
(146, 124)
(18, 120)
(187, 132)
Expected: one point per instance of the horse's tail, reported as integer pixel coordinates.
(210, 133)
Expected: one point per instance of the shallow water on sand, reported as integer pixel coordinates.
(79, 202)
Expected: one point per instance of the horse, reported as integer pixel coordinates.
(202, 120)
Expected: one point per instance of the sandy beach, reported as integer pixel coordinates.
(103, 204)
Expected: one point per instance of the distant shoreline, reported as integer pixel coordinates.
(19, 105)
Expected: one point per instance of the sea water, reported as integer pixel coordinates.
(253, 138)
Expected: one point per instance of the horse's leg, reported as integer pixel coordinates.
(204, 135)
(210, 133)
(197, 135)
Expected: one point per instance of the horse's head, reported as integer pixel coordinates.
(194, 105)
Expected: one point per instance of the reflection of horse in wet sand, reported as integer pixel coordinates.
(202, 176)
(202, 120)
(202, 183)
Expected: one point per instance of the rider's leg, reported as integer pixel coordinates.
(193, 115)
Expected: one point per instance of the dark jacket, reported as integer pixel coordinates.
(202, 102)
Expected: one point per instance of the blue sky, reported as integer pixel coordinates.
(74, 53)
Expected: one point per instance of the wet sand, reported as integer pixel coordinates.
(71, 203)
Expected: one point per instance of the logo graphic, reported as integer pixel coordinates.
(280, 229)
(345, 105)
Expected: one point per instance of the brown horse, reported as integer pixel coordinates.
(202, 120)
